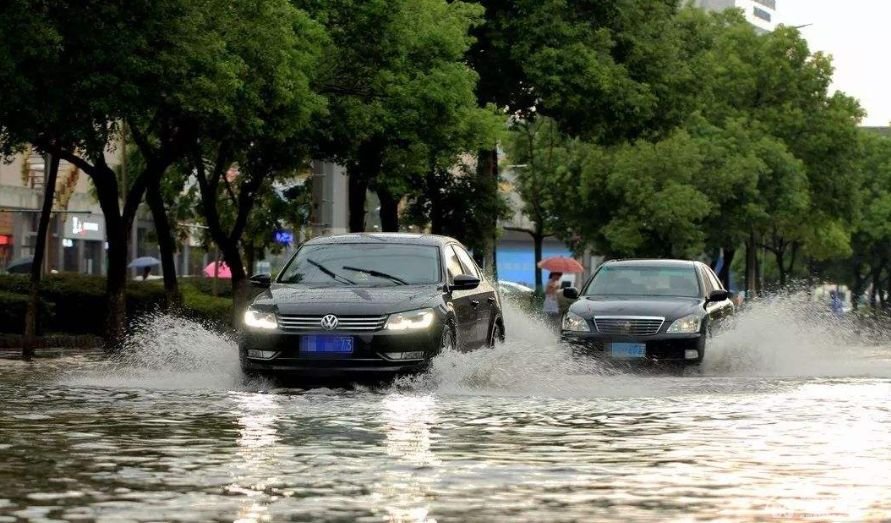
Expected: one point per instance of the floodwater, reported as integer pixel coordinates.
(789, 418)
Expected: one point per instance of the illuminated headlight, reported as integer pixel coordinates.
(260, 320)
(412, 320)
(686, 325)
(574, 323)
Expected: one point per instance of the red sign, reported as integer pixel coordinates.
(5, 239)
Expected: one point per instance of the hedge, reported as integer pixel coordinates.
(12, 312)
(76, 304)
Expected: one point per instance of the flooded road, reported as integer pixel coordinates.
(783, 421)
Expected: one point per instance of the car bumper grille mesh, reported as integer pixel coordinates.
(344, 323)
(628, 326)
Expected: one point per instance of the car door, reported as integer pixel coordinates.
(462, 303)
(484, 299)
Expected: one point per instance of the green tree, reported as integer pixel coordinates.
(395, 77)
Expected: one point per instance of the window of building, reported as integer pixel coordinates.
(770, 4)
(761, 13)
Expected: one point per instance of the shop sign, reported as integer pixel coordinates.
(84, 228)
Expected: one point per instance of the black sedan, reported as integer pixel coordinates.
(369, 304)
(656, 310)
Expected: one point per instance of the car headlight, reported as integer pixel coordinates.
(260, 319)
(411, 320)
(686, 325)
(574, 323)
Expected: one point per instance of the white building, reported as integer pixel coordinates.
(760, 13)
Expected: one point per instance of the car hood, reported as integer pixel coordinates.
(670, 307)
(347, 301)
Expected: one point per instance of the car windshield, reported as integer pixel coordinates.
(644, 281)
(364, 264)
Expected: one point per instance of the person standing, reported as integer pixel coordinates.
(551, 306)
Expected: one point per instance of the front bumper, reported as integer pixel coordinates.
(659, 348)
(368, 356)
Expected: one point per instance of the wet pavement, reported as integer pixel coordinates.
(783, 421)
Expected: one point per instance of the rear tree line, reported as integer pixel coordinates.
(648, 128)
(757, 156)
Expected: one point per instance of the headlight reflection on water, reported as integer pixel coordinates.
(406, 487)
(257, 447)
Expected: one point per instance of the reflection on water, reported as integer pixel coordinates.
(408, 485)
(788, 424)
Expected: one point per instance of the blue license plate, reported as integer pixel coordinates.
(628, 350)
(326, 345)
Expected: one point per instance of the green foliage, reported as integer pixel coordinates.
(12, 312)
(76, 304)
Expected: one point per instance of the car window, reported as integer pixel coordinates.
(713, 279)
(709, 285)
(453, 265)
(644, 280)
(364, 264)
(467, 262)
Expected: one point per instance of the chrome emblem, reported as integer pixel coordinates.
(329, 322)
(626, 327)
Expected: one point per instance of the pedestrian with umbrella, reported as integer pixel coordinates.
(145, 263)
(558, 265)
(20, 266)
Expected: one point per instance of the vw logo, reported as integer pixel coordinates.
(329, 322)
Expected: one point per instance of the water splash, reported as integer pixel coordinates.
(790, 335)
(165, 351)
(782, 336)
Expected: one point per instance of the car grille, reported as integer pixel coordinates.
(630, 326)
(344, 323)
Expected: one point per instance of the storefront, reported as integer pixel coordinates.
(6, 239)
(83, 244)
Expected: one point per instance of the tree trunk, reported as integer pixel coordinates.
(33, 309)
(537, 241)
(166, 243)
(780, 256)
(487, 170)
(357, 189)
(435, 195)
(724, 273)
(389, 210)
(751, 262)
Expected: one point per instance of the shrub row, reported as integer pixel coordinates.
(76, 304)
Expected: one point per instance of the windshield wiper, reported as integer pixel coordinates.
(376, 274)
(329, 272)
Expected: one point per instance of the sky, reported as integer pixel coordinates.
(857, 34)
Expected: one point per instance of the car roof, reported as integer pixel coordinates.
(383, 237)
(653, 262)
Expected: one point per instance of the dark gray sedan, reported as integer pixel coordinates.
(656, 310)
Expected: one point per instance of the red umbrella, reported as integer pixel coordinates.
(561, 264)
(222, 272)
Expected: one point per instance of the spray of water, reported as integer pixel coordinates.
(782, 336)
(164, 351)
(791, 335)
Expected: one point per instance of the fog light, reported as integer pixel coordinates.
(261, 354)
(416, 355)
(691, 354)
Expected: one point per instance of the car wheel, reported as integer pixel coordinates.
(497, 335)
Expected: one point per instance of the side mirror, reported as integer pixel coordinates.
(719, 295)
(571, 293)
(464, 282)
(261, 280)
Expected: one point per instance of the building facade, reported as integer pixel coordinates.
(76, 235)
(762, 14)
